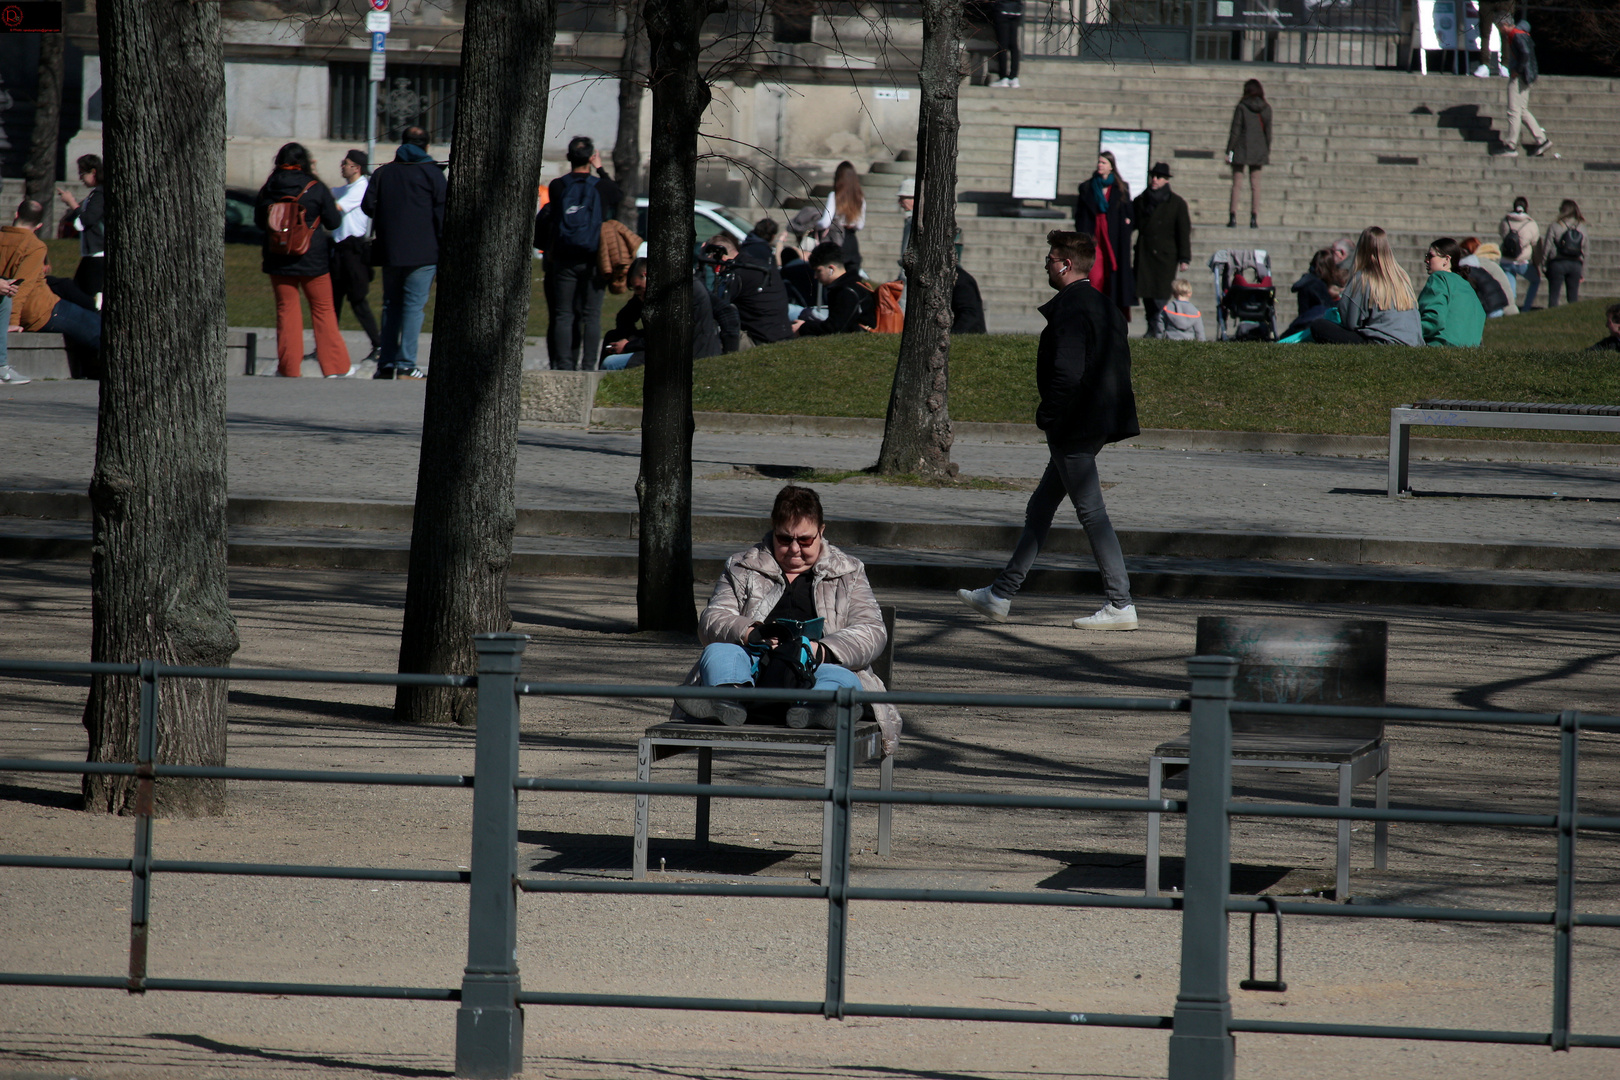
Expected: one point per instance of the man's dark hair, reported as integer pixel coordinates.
(580, 149)
(1079, 248)
(827, 254)
(414, 136)
(89, 163)
(794, 502)
(30, 212)
(766, 229)
(638, 267)
(1612, 312)
(722, 239)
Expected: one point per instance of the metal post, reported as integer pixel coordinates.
(837, 859)
(1201, 1048)
(371, 123)
(489, 1024)
(1564, 910)
(140, 867)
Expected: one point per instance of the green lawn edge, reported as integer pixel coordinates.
(1197, 386)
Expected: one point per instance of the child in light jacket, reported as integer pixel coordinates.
(1182, 320)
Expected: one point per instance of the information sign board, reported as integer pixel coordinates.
(1036, 151)
(1132, 152)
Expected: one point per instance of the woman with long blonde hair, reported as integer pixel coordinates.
(1378, 305)
(846, 206)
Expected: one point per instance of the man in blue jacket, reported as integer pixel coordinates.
(1083, 374)
(406, 205)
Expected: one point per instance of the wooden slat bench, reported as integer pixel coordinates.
(1491, 414)
(675, 737)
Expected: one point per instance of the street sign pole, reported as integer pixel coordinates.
(378, 21)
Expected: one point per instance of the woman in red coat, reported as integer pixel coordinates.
(1104, 211)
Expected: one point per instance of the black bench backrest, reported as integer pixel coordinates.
(1302, 661)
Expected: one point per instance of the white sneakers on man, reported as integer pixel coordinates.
(985, 602)
(1109, 617)
(10, 376)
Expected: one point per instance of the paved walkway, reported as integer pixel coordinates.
(360, 440)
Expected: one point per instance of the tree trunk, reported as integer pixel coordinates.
(664, 488)
(466, 510)
(917, 432)
(627, 143)
(158, 576)
(40, 168)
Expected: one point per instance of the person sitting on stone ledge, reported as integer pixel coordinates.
(791, 576)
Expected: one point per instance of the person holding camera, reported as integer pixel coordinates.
(851, 303)
(794, 612)
(750, 300)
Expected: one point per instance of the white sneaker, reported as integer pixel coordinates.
(1000, 84)
(1012, 84)
(350, 374)
(10, 376)
(1109, 617)
(986, 603)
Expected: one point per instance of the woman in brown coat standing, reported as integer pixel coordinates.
(1249, 146)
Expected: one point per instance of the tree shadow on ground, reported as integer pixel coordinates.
(311, 706)
(51, 800)
(323, 1060)
(1088, 871)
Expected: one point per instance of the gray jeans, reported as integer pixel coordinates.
(5, 328)
(1072, 473)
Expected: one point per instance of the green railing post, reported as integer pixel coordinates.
(140, 867)
(1569, 733)
(1201, 1046)
(837, 863)
(489, 1024)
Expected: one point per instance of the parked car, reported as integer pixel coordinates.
(239, 226)
(708, 218)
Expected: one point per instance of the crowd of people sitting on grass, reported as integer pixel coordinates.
(1358, 294)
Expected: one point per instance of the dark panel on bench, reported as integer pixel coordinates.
(1305, 662)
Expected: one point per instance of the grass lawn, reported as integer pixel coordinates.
(1212, 385)
(248, 301)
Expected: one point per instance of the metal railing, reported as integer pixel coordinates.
(489, 1022)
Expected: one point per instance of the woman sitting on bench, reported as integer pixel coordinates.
(749, 632)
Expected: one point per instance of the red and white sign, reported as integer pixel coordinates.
(379, 5)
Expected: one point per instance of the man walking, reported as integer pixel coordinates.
(351, 251)
(1520, 52)
(569, 231)
(1083, 374)
(1163, 244)
(406, 201)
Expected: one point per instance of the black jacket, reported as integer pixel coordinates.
(318, 206)
(967, 308)
(1521, 57)
(1121, 281)
(1312, 292)
(1608, 344)
(1083, 371)
(91, 214)
(405, 201)
(629, 324)
(850, 306)
(755, 289)
(1163, 241)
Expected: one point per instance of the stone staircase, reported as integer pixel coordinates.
(1352, 148)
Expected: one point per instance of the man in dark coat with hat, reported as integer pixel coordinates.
(1163, 244)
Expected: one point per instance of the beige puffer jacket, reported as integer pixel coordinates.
(752, 585)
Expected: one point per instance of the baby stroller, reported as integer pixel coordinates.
(1244, 294)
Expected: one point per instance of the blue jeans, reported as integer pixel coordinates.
(405, 294)
(5, 328)
(1530, 273)
(725, 664)
(616, 362)
(1072, 473)
(79, 325)
(574, 306)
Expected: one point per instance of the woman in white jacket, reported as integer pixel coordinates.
(846, 208)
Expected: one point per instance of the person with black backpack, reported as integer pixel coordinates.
(1520, 235)
(569, 232)
(851, 302)
(1566, 254)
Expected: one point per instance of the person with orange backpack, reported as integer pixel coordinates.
(294, 209)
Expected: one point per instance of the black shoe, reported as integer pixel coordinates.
(373, 355)
(729, 713)
(410, 373)
(1231, 221)
(1541, 147)
(1253, 224)
(311, 356)
(383, 373)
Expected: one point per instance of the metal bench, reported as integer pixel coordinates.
(675, 737)
(1491, 414)
(1301, 662)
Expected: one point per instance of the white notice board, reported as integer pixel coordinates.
(1035, 162)
(1132, 151)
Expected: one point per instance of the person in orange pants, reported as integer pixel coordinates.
(292, 209)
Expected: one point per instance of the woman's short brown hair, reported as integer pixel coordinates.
(794, 502)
